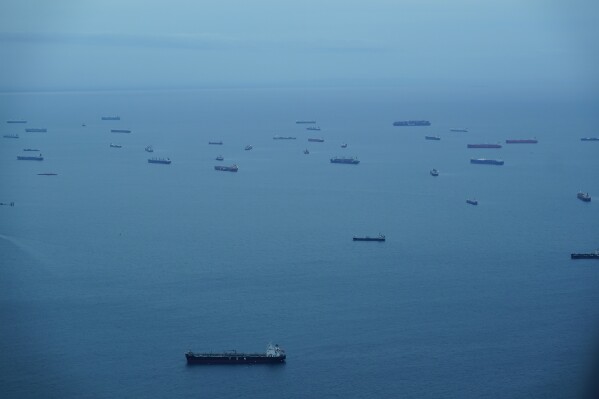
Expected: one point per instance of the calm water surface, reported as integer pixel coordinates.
(114, 268)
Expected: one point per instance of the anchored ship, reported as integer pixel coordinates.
(11, 136)
(36, 130)
(589, 139)
(115, 145)
(232, 168)
(16, 121)
(302, 122)
(316, 140)
(432, 138)
(412, 123)
(483, 146)
(283, 138)
(313, 128)
(111, 118)
(274, 355)
(486, 161)
(165, 161)
(346, 160)
(592, 255)
(459, 129)
(380, 237)
(521, 141)
(215, 142)
(583, 196)
(30, 157)
(120, 131)
(30, 149)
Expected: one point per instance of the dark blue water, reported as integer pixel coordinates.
(114, 268)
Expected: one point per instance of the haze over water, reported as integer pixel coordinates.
(113, 268)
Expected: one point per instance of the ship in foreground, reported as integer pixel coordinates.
(591, 255)
(583, 196)
(351, 161)
(274, 355)
(380, 237)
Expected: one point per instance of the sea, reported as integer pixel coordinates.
(112, 269)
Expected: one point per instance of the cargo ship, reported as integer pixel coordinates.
(483, 145)
(111, 118)
(589, 139)
(165, 161)
(351, 161)
(380, 237)
(30, 157)
(521, 141)
(434, 172)
(412, 123)
(115, 145)
(459, 129)
(283, 138)
(232, 168)
(313, 128)
(316, 140)
(583, 196)
(30, 149)
(592, 255)
(36, 130)
(486, 161)
(11, 136)
(472, 201)
(16, 121)
(432, 138)
(304, 122)
(215, 142)
(120, 131)
(274, 355)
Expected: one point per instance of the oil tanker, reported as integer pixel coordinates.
(274, 355)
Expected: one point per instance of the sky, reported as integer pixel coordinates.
(544, 46)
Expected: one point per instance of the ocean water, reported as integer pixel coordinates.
(113, 269)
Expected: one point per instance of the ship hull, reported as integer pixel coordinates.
(234, 359)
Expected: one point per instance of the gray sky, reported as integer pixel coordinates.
(539, 46)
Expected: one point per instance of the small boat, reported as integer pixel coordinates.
(215, 142)
(316, 140)
(149, 148)
(232, 168)
(343, 145)
(83, 125)
(585, 197)
(436, 138)
(434, 172)
(165, 161)
(380, 237)
(11, 136)
(30, 157)
(115, 145)
(306, 151)
(591, 255)
(220, 158)
(472, 201)
(249, 147)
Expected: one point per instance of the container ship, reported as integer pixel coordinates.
(36, 130)
(232, 168)
(30, 157)
(165, 161)
(351, 161)
(483, 146)
(485, 161)
(589, 139)
(583, 196)
(316, 140)
(412, 123)
(592, 255)
(432, 138)
(521, 141)
(274, 355)
(120, 131)
(111, 118)
(380, 237)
